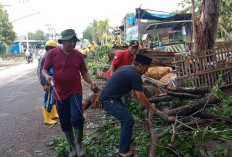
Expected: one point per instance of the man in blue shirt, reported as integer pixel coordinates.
(125, 79)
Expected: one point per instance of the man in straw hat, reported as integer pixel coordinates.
(68, 63)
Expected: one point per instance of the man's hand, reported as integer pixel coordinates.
(45, 88)
(48, 79)
(94, 86)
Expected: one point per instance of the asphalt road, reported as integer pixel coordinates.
(22, 131)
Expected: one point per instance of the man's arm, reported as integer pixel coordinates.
(116, 61)
(86, 76)
(143, 99)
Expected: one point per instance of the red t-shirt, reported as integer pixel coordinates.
(66, 71)
(120, 59)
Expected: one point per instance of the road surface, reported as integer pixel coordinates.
(22, 131)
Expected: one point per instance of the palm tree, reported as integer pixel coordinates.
(102, 32)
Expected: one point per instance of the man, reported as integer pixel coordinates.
(41, 52)
(49, 107)
(92, 48)
(68, 63)
(124, 57)
(85, 51)
(125, 79)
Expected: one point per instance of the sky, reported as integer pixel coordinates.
(75, 14)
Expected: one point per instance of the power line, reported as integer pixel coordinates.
(25, 16)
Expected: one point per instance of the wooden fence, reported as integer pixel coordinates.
(205, 67)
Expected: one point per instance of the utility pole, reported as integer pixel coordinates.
(51, 31)
(23, 1)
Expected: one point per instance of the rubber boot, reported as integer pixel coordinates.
(47, 117)
(70, 139)
(54, 114)
(78, 135)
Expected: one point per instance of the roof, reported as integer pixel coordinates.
(167, 24)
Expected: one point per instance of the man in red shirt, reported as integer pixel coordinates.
(68, 66)
(124, 57)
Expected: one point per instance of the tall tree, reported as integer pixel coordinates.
(225, 18)
(89, 31)
(206, 24)
(226, 15)
(7, 35)
(103, 31)
(98, 31)
(38, 35)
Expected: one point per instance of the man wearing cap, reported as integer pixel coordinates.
(124, 57)
(125, 79)
(68, 63)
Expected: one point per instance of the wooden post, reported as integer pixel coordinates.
(194, 26)
(125, 22)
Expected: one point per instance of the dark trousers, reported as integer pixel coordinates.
(118, 109)
(70, 112)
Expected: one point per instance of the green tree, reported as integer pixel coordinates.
(226, 15)
(7, 34)
(225, 18)
(98, 31)
(38, 35)
(89, 31)
(102, 32)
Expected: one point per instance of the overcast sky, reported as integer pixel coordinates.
(76, 14)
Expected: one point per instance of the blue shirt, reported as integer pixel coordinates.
(121, 82)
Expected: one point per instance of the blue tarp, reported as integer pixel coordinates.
(131, 20)
(144, 14)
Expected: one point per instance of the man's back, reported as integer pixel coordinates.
(121, 82)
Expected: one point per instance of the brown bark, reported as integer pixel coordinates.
(205, 115)
(183, 95)
(157, 99)
(115, 50)
(154, 136)
(206, 25)
(150, 90)
(159, 58)
(95, 101)
(197, 90)
(86, 102)
(191, 108)
(154, 82)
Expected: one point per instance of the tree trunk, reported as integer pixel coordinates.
(196, 90)
(191, 108)
(206, 25)
(184, 95)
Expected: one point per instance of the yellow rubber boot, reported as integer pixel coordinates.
(47, 117)
(54, 114)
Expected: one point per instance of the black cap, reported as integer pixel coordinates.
(143, 59)
(134, 43)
